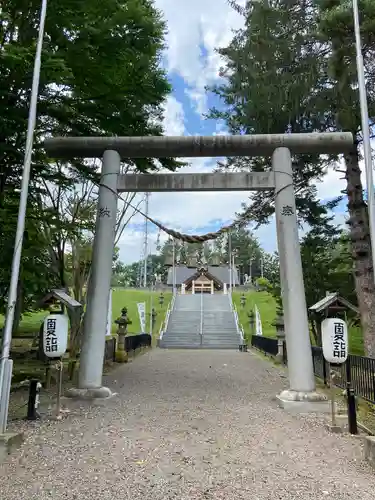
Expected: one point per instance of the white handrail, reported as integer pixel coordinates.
(201, 326)
(172, 302)
(239, 327)
(164, 324)
(230, 299)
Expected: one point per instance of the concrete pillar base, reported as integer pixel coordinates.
(335, 429)
(89, 394)
(369, 450)
(121, 357)
(304, 402)
(279, 359)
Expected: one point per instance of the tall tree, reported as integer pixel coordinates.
(292, 68)
(340, 99)
(248, 253)
(100, 75)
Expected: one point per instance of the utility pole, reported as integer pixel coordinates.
(251, 270)
(233, 270)
(6, 365)
(174, 266)
(145, 242)
(365, 131)
(230, 259)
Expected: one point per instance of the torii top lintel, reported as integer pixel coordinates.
(194, 146)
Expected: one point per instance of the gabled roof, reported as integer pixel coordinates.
(330, 299)
(206, 273)
(61, 296)
(220, 273)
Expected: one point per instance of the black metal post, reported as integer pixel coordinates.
(350, 396)
(33, 402)
(324, 371)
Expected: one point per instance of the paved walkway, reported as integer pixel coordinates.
(188, 425)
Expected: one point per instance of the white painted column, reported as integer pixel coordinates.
(193, 288)
(212, 287)
(93, 341)
(300, 363)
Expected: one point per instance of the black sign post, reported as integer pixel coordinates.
(33, 403)
(351, 402)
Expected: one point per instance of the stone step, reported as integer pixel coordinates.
(166, 345)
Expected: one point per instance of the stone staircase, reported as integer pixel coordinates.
(201, 322)
(219, 327)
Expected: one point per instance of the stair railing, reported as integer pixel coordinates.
(164, 324)
(201, 325)
(239, 328)
(230, 298)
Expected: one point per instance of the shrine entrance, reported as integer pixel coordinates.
(301, 393)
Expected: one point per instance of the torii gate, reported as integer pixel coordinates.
(301, 395)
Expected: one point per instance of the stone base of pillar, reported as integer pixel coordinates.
(334, 429)
(304, 402)
(89, 394)
(121, 356)
(279, 359)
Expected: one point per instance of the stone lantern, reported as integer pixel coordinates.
(122, 329)
(153, 318)
(280, 334)
(243, 300)
(251, 317)
(161, 300)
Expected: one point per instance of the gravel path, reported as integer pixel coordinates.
(188, 425)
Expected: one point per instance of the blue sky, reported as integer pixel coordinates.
(195, 29)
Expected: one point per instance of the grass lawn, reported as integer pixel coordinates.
(266, 306)
(30, 323)
(267, 309)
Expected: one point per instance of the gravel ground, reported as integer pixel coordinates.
(188, 425)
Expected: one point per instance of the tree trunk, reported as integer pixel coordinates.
(361, 251)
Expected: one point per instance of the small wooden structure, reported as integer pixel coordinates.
(61, 297)
(332, 305)
(202, 281)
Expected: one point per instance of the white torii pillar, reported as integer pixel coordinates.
(301, 394)
(95, 322)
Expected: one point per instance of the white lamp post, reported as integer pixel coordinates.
(6, 364)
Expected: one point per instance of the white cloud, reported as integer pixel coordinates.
(174, 117)
(184, 212)
(331, 185)
(195, 29)
(193, 212)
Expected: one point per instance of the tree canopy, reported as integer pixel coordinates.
(292, 69)
(100, 75)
